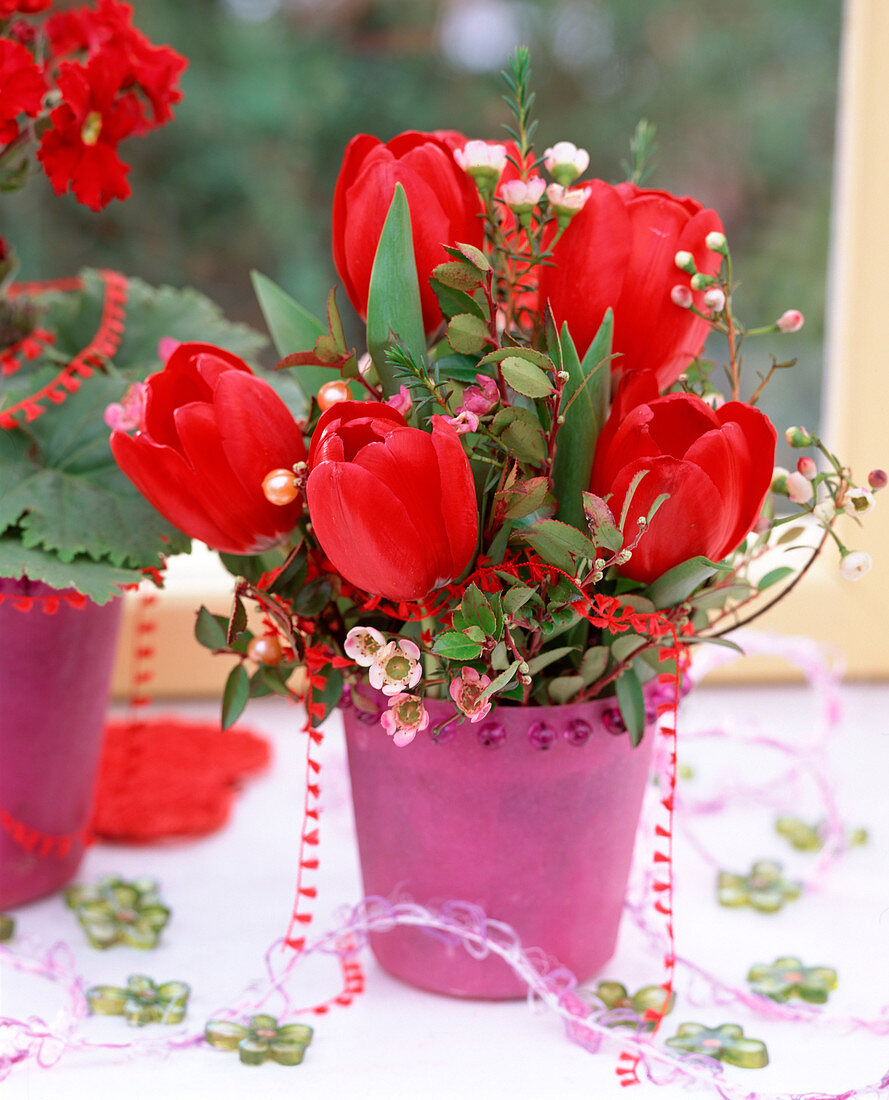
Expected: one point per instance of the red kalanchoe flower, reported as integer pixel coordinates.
(81, 148)
(444, 204)
(716, 465)
(22, 88)
(210, 433)
(8, 8)
(619, 251)
(393, 507)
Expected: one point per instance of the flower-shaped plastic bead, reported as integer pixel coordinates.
(7, 927)
(726, 1043)
(765, 888)
(650, 1003)
(113, 911)
(260, 1040)
(800, 835)
(141, 1001)
(787, 977)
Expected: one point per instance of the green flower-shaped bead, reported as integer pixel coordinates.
(765, 888)
(260, 1040)
(800, 835)
(649, 1003)
(787, 977)
(113, 911)
(727, 1043)
(7, 927)
(141, 1001)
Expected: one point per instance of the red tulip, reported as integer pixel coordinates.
(393, 507)
(210, 432)
(444, 204)
(619, 251)
(716, 466)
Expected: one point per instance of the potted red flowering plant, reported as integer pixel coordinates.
(73, 355)
(512, 517)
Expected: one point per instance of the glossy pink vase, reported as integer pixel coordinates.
(530, 814)
(55, 674)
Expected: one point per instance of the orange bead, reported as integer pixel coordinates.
(279, 487)
(265, 651)
(332, 392)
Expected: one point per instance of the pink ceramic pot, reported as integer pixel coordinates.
(530, 814)
(54, 679)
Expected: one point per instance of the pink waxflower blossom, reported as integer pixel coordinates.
(862, 500)
(521, 196)
(465, 421)
(395, 666)
(714, 299)
(485, 155)
(362, 644)
(791, 320)
(567, 200)
(466, 690)
(166, 346)
(806, 466)
(402, 401)
(482, 398)
(405, 718)
(681, 296)
(127, 414)
(565, 161)
(855, 564)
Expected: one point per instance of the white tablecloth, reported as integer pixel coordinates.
(231, 896)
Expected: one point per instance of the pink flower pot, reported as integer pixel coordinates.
(530, 814)
(54, 681)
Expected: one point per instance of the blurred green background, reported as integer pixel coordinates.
(743, 97)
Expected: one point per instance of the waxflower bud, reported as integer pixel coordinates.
(855, 564)
(521, 196)
(716, 242)
(714, 299)
(798, 437)
(790, 321)
(878, 479)
(799, 488)
(566, 202)
(681, 296)
(565, 162)
(700, 281)
(779, 480)
(824, 511)
(685, 261)
(806, 466)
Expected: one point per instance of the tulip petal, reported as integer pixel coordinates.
(366, 421)
(351, 509)
(689, 523)
(169, 484)
(357, 151)
(244, 516)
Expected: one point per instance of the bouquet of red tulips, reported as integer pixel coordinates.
(528, 485)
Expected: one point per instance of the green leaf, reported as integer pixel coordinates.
(292, 327)
(594, 663)
(789, 535)
(631, 492)
(600, 522)
(523, 498)
(557, 542)
(467, 333)
(585, 405)
(549, 657)
(678, 583)
(474, 255)
(719, 596)
(331, 693)
(455, 645)
(459, 275)
(393, 303)
(774, 576)
(525, 378)
(516, 597)
(454, 302)
(477, 611)
(625, 645)
(235, 695)
(562, 689)
(98, 580)
(632, 704)
(238, 620)
(520, 432)
(209, 631)
(500, 682)
(529, 355)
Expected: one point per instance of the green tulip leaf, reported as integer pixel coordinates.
(585, 405)
(678, 583)
(393, 302)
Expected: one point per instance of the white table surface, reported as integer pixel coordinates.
(231, 895)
